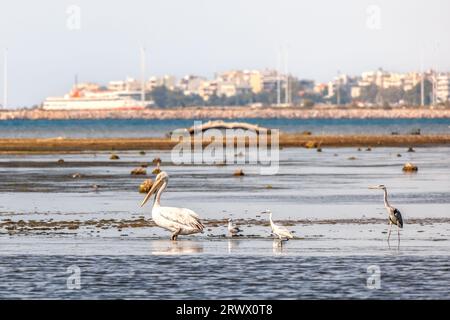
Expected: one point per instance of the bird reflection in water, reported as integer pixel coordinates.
(233, 245)
(176, 248)
(277, 247)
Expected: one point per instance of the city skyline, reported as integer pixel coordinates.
(202, 38)
(266, 87)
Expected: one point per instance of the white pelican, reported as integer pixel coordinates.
(282, 232)
(232, 229)
(176, 220)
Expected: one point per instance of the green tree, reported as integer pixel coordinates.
(160, 96)
(413, 96)
(369, 93)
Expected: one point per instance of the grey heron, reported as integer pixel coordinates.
(395, 217)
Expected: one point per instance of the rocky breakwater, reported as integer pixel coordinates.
(229, 113)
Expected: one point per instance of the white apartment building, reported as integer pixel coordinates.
(129, 84)
(411, 79)
(167, 81)
(230, 89)
(270, 78)
(381, 79)
(355, 92)
(241, 79)
(386, 80)
(207, 89)
(227, 89)
(191, 84)
(343, 81)
(443, 87)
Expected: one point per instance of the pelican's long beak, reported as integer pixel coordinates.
(153, 189)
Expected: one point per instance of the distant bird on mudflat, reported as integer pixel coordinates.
(281, 232)
(233, 230)
(395, 217)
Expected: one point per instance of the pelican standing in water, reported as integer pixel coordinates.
(232, 229)
(176, 220)
(395, 217)
(281, 232)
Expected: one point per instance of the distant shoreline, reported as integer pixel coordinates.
(231, 113)
(62, 145)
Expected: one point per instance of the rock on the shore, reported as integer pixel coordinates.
(139, 171)
(311, 144)
(156, 170)
(146, 186)
(409, 167)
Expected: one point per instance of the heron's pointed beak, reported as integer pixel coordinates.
(153, 189)
(374, 187)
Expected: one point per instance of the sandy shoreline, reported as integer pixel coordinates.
(62, 145)
(231, 113)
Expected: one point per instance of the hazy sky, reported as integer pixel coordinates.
(202, 37)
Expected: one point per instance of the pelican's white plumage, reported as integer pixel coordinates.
(177, 220)
(282, 232)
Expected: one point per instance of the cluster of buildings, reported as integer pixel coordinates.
(353, 86)
(236, 82)
(230, 83)
(288, 90)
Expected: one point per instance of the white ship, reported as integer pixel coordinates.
(97, 99)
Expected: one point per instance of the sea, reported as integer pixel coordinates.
(135, 128)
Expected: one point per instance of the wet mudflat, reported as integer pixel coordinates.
(85, 212)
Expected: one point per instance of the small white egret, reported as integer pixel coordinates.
(177, 220)
(281, 232)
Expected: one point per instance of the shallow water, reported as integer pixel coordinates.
(224, 277)
(97, 128)
(308, 185)
(322, 197)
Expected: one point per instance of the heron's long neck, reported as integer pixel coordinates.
(270, 219)
(386, 203)
(158, 195)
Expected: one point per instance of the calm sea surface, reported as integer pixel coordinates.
(158, 128)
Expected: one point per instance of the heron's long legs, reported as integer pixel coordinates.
(398, 234)
(389, 233)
